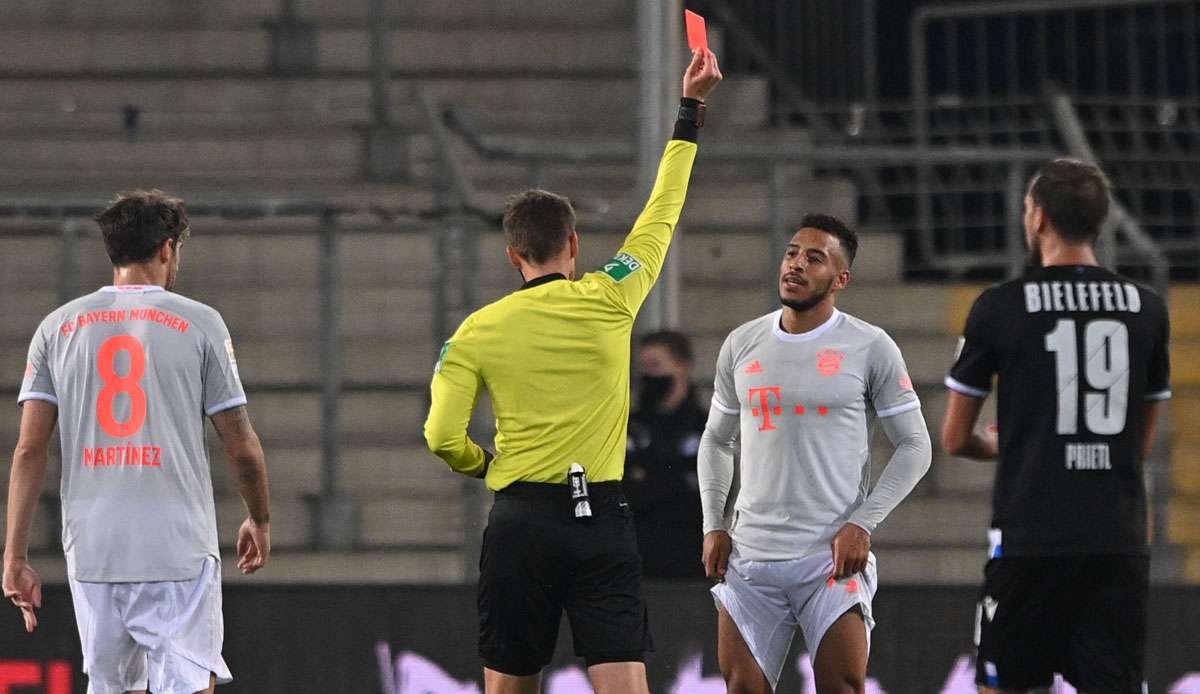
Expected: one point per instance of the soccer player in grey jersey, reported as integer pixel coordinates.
(801, 389)
(129, 373)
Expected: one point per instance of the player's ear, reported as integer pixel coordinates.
(843, 278)
(165, 250)
(1038, 218)
(513, 256)
(573, 244)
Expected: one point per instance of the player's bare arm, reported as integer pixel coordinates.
(961, 436)
(245, 455)
(1150, 426)
(22, 584)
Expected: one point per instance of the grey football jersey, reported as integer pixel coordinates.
(134, 370)
(807, 405)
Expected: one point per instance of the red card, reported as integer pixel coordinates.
(697, 36)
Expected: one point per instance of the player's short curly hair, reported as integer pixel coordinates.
(1075, 196)
(537, 224)
(835, 227)
(137, 223)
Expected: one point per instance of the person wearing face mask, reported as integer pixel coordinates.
(660, 464)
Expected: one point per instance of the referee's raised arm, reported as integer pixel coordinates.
(637, 265)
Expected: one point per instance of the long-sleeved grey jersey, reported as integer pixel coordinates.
(134, 370)
(804, 407)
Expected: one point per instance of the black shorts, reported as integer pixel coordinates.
(539, 560)
(1083, 617)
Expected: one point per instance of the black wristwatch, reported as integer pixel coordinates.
(692, 110)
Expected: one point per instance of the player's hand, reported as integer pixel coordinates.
(850, 547)
(702, 74)
(253, 545)
(717, 546)
(23, 586)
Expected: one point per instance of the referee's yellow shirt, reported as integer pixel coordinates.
(554, 359)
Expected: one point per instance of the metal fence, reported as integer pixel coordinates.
(996, 73)
(984, 75)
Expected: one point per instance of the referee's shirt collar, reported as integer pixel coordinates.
(543, 280)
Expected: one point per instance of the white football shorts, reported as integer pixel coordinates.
(768, 600)
(162, 635)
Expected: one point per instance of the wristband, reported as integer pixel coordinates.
(692, 110)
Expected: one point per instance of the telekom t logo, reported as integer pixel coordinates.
(765, 409)
(19, 675)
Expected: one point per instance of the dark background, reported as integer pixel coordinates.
(324, 638)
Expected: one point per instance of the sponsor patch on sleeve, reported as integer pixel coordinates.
(437, 368)
(621, 267)
(232, 358)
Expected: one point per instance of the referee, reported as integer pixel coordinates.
(554, 357)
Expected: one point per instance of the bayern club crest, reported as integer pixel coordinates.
(829, 361)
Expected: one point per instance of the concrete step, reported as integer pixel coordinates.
(1191, 567)
(58, 50)
(1183, 520)
(722, 191)
(1185, 352)
(394, 312)
(297, 566)
(1185, 468)
(497, 104)
(116, 49)
(1185, 412)
(146, 13)
(930, 565)
(610, 50)
(368, 419)
(270, 153)
(397, 472)
(933, 521)
(290, 521)
(390, 522)
(45, 535)
(221, 13)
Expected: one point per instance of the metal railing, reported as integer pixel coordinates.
(980, 74)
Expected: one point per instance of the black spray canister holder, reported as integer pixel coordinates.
(577, 481)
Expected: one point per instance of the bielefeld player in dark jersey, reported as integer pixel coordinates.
(1080, 356)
